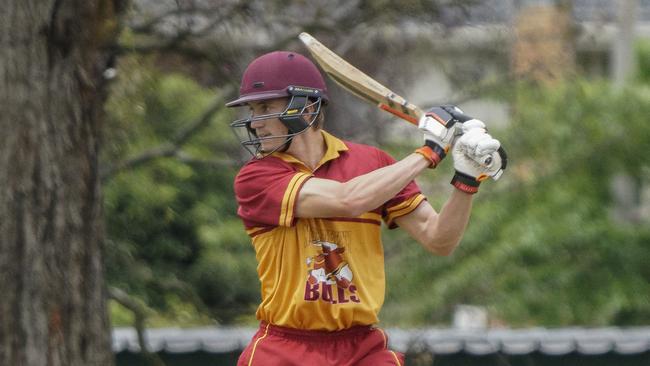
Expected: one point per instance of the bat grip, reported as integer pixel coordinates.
(462, 117)
(458, 116)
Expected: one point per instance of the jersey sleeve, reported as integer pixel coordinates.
(266, 192)
(403, 202)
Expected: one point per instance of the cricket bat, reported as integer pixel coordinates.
(367, 88)
(362, 85)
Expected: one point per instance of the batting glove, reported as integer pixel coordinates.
(439, 126)
(477, 156)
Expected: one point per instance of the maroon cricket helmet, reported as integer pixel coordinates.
(269, 76)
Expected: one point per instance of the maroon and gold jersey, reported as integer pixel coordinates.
(317, 273)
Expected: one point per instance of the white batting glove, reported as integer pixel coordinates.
(477, 157)
(439, 129)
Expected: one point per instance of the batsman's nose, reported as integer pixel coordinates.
(257, 124)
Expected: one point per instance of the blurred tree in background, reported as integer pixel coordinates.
(175, 240)
(546, 244)
(53, 55)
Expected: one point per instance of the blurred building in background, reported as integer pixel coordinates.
(457, 61)
(540, 40)
(537, 39)
(426, 346)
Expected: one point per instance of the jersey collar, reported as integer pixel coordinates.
(334, 147)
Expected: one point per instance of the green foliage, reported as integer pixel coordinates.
(173, 238)
(542, 247)
(120, 316)
(643, 60)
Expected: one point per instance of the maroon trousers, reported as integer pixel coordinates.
(358, 346)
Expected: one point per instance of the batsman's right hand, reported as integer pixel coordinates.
(477, 157)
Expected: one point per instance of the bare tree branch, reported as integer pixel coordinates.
(169, 38)
(476, 91)
(170, 148)
(214, 163)
(139, 311)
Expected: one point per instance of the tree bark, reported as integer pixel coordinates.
(53, 303)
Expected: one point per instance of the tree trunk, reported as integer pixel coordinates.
(53, 302)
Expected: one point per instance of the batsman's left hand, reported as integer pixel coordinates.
(477, 157)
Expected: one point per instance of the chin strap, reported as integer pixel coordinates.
(287, 144)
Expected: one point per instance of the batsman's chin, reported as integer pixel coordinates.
(269, 148)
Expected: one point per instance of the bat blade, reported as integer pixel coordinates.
(368, 89)
(358, 83)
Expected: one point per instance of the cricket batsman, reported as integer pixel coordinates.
(313, 205)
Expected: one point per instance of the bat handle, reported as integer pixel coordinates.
(456, 113)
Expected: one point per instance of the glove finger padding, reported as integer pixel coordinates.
(499, 163)
(474, 143)
(488, 151)
(477, 156)
(484, 149)
(473, 124)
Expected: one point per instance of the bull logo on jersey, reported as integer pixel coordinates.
(329, 265)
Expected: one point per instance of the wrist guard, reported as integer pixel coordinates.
(432, 152)
(466, 183)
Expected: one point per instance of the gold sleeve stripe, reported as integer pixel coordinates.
(289, 199)
(405, 209)
(402, 205)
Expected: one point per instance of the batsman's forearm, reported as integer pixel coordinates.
(330, 198)
(447, 230)
(369, 191)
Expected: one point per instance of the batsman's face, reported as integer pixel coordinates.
(271, 131)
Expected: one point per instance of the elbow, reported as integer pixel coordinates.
(444, 242)
(445, 251)
(442, 248)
